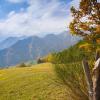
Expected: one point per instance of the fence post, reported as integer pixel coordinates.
(88, 78)
(96, 78)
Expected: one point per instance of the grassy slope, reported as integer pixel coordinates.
(31, 83)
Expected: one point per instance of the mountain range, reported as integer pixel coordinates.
(8, 42)
(15, 50)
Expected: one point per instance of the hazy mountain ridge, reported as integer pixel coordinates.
(8, 42)
(34, 47)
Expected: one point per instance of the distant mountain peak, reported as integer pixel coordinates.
(30, 48)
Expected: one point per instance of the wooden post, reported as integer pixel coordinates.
(96, 80)
(97, 55)
(88, 78)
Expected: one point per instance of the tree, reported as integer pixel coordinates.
(86, 22)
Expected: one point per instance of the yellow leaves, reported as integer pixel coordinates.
(98, 41)
(48, 58)
(98, 29)
(86, 23)
(71, 26)
(84, 26)
(86, 46)
(85, 6)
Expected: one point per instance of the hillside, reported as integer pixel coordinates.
(8, 42)
(38, 82)
(34, 47)
(72, 54)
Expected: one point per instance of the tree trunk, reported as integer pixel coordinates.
(96, 80)
(93, 83)
(88, 78)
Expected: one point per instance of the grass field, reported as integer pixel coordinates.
(38, 82)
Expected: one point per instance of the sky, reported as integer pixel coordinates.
(34, 17)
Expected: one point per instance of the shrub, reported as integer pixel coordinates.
(22, 65)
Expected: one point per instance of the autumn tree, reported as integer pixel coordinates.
(86, 22)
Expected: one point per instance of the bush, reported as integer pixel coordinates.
(22, 65)
(68, 68)
(40, 60)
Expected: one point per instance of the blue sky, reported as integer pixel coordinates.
(6, 7)
(34, 17)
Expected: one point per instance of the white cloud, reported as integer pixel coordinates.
(39, 18)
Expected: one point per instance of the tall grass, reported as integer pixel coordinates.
(72, 76)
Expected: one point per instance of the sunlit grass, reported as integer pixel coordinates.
(38, 82)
